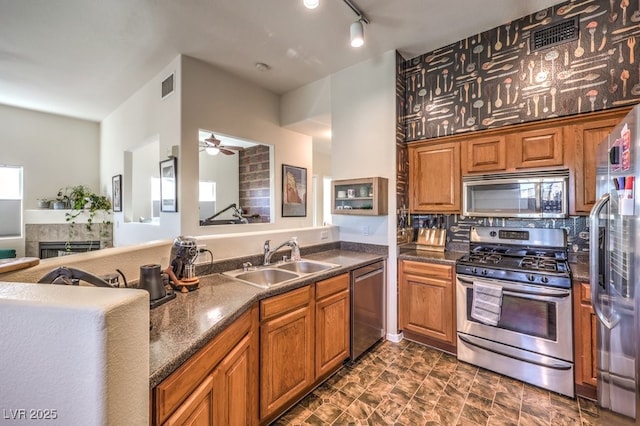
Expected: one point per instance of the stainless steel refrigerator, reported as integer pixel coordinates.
(614, 260)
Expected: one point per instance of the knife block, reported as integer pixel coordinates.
(431, 239)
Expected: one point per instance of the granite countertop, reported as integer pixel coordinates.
(187, 323)
(580, 270)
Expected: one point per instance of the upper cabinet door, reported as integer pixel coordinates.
(434, 180)
(484, 155)
(537, 148)
(587, 137)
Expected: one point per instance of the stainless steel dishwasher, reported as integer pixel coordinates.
(367, 307)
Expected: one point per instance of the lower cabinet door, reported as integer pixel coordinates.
(286, 363)
(197, 409)
(235, 382)
(332, 332)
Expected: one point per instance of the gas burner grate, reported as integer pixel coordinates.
(539, 263)
(485, 258)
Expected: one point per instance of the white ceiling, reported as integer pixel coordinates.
(82, 58)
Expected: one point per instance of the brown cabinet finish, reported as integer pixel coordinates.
(586, 137)
(537, 148)
(188, 393)
(584, 324)
(197, 410)
(488, 154)
(332, 324)
(235, 385)
(372, 202)
(286, 349)
(427, 307)
(434, 181)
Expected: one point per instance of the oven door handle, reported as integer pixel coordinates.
(537, 294)
(536, 359)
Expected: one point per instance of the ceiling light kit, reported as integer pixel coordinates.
(356, 30)
(311, 4)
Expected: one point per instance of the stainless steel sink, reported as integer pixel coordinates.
(306, 266)
(264, 278)
(278, 274)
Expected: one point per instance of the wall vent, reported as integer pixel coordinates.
(167, 86)
(554, 34)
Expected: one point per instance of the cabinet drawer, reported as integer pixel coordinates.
(277, 305)
(332, 285)
(428, 269)
(585, 293)
(180, 384)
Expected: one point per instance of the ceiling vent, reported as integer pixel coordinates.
(554, 34)
(167, 86)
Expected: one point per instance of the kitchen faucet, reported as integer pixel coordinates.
(293, 243)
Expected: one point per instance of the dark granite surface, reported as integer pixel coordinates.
(580, 271)
(182, 326)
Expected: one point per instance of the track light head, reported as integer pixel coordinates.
(357, 33)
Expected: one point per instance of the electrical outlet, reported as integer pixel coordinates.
(365, 230)
(324, 235)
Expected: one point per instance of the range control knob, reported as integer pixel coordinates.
(531, 277)
(493, 233)
(544, 280)
(474, 270)
(484, 272)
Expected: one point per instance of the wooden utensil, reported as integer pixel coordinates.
(631, 42)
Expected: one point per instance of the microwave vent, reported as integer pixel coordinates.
(554, 34)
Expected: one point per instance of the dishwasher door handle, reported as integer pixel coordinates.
(368, 274)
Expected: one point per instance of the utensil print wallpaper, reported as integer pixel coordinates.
(494, 78)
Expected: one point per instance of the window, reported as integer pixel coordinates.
(206, 199)
(10, 201)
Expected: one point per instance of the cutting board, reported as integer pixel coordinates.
(8, 265)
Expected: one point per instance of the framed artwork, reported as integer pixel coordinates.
(168, 185)
(294, 191)
(116, 190)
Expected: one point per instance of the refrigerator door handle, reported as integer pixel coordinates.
(594, 259)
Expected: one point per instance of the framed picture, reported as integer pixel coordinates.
(294, 191)
(116, 190)
(168, 186)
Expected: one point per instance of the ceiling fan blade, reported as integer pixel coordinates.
(213, 140)
(226, 151)
(237, 148)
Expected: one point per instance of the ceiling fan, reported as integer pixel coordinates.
(214, 146)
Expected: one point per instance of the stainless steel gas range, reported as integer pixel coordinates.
(514, 315)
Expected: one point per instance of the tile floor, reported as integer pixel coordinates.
(410, 384)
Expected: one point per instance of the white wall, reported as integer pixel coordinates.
(321, 169)
(224, 171)
(143, 116)
(363, 144)
(55, 152)
(215, 99)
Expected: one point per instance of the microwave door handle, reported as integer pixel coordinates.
(539, 197)
(597, 278)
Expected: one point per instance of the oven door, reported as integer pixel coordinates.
(533, 318)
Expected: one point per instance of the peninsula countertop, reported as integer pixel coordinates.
(187, 323)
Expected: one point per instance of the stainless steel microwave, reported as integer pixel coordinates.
(524, 194)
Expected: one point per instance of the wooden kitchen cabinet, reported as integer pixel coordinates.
(586, 137)
(216, 382)
(427, 303)
(286, 349)
(536, 148)
(487, 154)
(332, 324)
(434, 178)
(584, 325)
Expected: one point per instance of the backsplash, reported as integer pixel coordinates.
(494, 79)
(458, 227)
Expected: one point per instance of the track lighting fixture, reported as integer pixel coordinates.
(357, 34)
(311, 4)
(356, 30)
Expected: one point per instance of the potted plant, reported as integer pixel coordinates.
(81, 199)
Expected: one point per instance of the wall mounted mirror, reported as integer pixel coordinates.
(235, 180)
